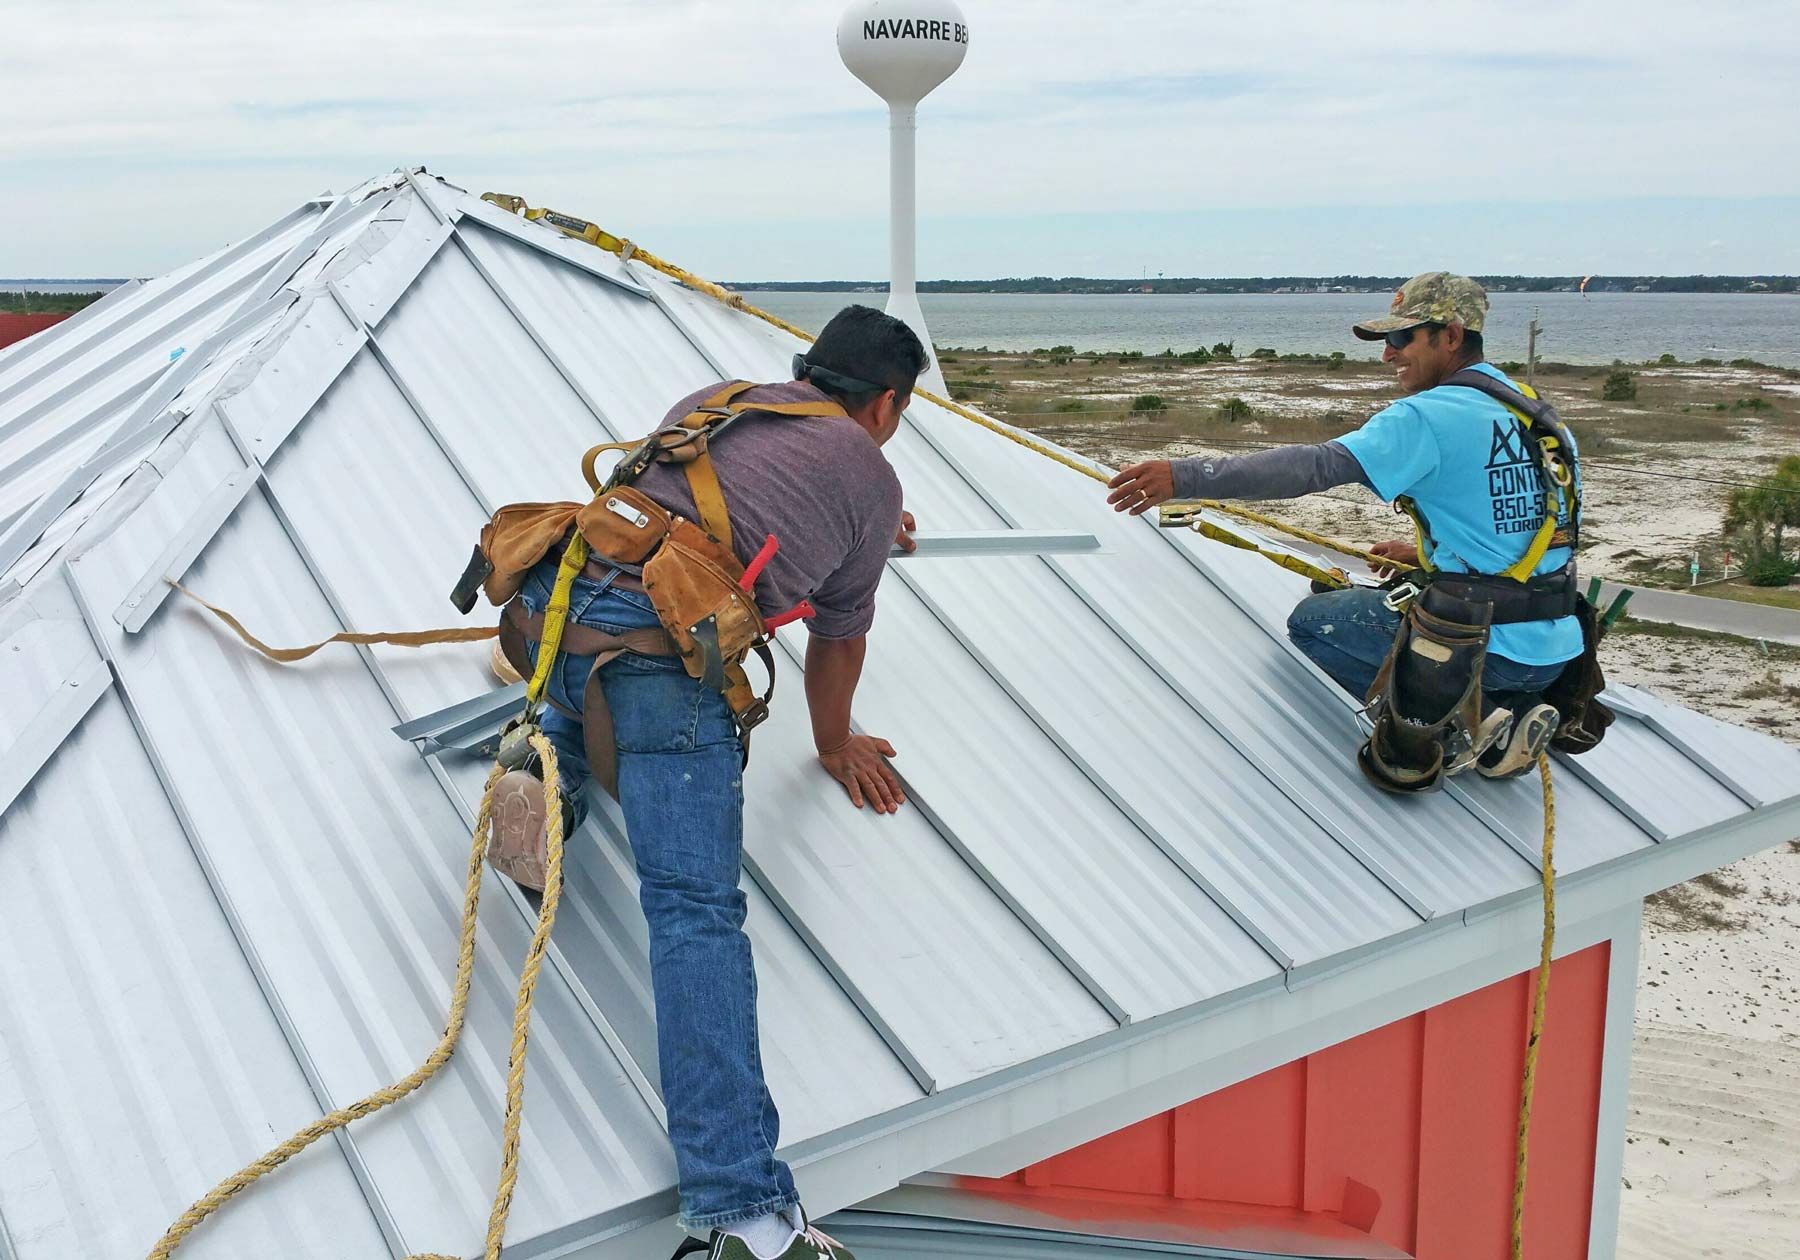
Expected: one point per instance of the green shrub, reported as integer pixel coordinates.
(1062, 350)
(1235, 410)
(1667, 358)
(1620, 386)
(1748, 363)
(948, 358)
(1262, 352)
(1060, 360)
(1335, 361)
(1148, 402)
(1223, 349)
(1511, 366)
(1752, 404)
(1771, 569)
(1198, 355)
(1069, 404)
(983, 370)
(1709, 362)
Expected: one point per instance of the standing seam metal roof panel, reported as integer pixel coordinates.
(141, 1061)
(341, 856)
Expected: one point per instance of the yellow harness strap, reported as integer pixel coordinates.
(695, 457)
(1555, 499)
(556, 616)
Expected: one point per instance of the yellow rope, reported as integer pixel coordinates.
(1539, 1001)
(1286, 527)
(446, 1046)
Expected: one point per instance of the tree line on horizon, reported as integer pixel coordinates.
(1272, 284)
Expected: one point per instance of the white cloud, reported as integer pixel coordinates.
(137, 136)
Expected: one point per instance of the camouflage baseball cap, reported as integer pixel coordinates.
(1437, 297)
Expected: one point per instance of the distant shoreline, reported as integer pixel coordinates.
(1754, 285)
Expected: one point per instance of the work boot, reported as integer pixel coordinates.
(1519, 751)
(518, 841)
(808, 1242)
(1495, 727)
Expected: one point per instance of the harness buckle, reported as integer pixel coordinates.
(1400, 598)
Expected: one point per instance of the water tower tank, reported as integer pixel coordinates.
(902, 49)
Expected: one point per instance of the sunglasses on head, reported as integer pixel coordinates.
(838, 382)
(1401, 338)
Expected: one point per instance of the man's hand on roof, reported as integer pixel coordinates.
(904, 539)
(1140, 487)
(858, 763)
(1402, 554)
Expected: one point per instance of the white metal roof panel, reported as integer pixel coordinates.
(139, 1062)
(340, 854)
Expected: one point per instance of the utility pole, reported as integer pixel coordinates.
(1531, 336)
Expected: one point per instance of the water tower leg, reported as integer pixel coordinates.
(903, 294)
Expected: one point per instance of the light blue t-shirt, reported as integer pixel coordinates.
(1463, 459)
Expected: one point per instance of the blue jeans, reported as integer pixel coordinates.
(682, 793)
(1348, 634)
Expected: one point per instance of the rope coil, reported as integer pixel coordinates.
(247, 1176)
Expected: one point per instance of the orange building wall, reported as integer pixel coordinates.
(16, 326)
(1423, 1113)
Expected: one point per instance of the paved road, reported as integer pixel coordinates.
(1700, 612)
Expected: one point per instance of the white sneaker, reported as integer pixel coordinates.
(1519, 751)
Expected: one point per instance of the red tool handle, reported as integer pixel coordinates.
(799, 612)
(758, 563)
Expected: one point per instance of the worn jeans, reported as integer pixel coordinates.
(1348, 634)
(681, 790)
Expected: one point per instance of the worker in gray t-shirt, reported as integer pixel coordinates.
(821, 486)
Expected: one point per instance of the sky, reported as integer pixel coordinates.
(1204, 138)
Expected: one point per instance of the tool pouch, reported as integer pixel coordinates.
(1576, 691)
(692, 580)
(623, 525)
(518, 536)
(1426, 699)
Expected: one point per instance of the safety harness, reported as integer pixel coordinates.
(1518, 593)
(701, 591)
(1425, 702)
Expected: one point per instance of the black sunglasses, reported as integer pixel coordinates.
(837, 382)
(1401, 338)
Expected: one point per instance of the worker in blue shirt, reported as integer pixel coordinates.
(1458, 453)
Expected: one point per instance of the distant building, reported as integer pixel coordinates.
(17, 325)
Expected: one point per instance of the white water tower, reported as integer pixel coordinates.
(902, 49)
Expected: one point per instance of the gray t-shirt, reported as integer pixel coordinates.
(819, 484)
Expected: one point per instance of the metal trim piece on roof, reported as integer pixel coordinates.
(148, 593)
(342, 215)
(930, 544)
(55, 720)
(220, 262)
(143, 426)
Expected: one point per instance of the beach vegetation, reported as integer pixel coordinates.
(1235, 410)
(1148, 402)
(1620, 386)
(1757, 518)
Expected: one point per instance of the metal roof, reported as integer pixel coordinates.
(1132, 801)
